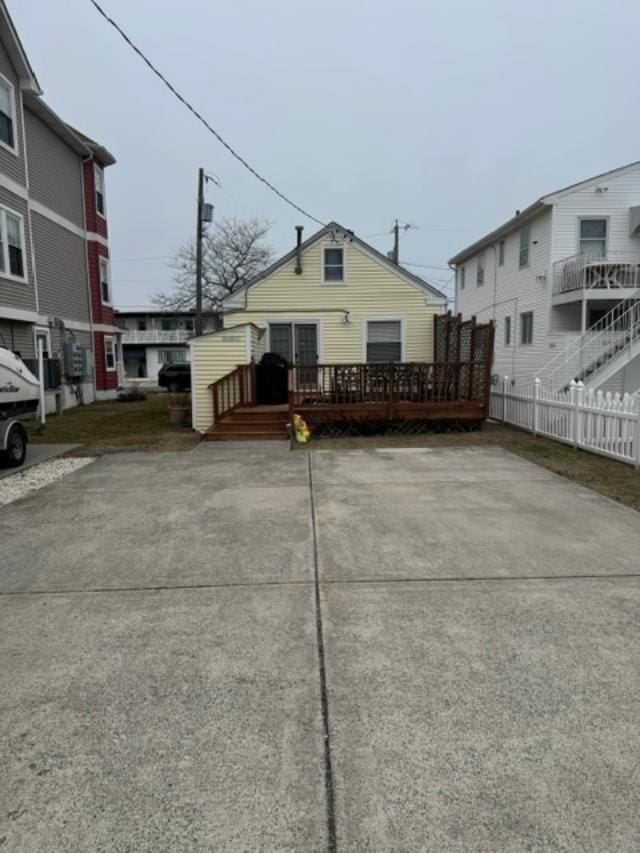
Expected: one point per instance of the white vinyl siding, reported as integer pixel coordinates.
(384, 341)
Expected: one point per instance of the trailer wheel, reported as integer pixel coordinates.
(16, 450)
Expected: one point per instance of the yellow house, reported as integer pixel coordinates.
(332, 300)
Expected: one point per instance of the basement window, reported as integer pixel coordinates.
(7, 115)
(333, 265)
(384, 341)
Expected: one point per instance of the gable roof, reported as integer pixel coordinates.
(17, 54)
(537, 207)
(319, 235)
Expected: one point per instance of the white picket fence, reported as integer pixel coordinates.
(602, 423)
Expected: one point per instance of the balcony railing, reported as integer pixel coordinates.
(156, 336)
(615, 272)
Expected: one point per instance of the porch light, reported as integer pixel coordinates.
(347, 317)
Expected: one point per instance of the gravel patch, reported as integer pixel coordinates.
(20, 484)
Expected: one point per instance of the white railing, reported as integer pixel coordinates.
(616, 332)
(156, 336)
(600, 423)
(615, 271)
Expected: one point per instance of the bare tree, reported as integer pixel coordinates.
(233, 252)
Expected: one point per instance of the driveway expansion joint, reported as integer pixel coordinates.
(324, 697)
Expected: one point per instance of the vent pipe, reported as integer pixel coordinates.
(299, 230)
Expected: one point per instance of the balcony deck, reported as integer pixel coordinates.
(614, 276)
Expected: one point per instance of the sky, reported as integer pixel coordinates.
(447, 115)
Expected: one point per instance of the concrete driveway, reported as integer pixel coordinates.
(243, 648)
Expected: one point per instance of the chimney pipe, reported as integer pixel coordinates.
(299, 229)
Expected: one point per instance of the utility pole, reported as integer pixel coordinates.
(396, 243)
(198, 323)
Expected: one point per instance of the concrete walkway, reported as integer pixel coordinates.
(243, 648)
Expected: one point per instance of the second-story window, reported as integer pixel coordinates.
(12, 245)
(461, 278)
(480, 270)
(101, 206)
(525, 241)
(507, 331)
(593, 238)
(333, 265)
(105, 281)
(501, 253)
(7, 114)
(142, 325)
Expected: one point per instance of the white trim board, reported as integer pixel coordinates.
(384, 319)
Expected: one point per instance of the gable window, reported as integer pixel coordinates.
(333, 263)
(12, 249)
(525, 241)
(109, 354)
(105, 282)
(384, 341)
(593, 238)
(7, 115)
(526, 328)
(480, 270)
(507, 331)
(461, 278)
(501, 253)
(99, 182)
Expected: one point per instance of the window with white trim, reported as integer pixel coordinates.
(461, 272)
(526, 328)
(109, 354)
(7, 114)
(169, 356)
(333, 264)
(480, 270)
(384, 341)
(105, 281)
(593, 238)
(501, 253)
(507, 331)
(12, 251)
(525, 242)
(99, 182)
(42, 334)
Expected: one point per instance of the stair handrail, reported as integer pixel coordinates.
(234, 389)
(597, 337)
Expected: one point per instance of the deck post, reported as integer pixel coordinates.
(636, 431)
(216, 406)
(390, 395)
(290, 384)
(252, 379)
(488, 362)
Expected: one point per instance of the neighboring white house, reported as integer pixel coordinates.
(151, 339)
(561, 280)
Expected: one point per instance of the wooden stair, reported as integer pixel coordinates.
(251, 423)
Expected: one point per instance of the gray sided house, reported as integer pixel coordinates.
(54, 253)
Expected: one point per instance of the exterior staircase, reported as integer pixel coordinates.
(251, 423)
(598, 354)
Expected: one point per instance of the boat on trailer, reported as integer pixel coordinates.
(19, 398)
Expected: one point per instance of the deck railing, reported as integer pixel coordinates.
(616, 271)
(392, 384)
(233, 390)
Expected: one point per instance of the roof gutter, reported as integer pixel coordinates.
(515, 221)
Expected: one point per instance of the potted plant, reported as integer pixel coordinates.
(179, 409)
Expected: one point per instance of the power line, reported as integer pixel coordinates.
(200, 118)
(426, 266)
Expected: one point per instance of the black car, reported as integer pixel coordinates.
(175, 377)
